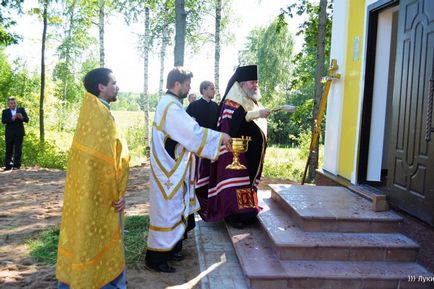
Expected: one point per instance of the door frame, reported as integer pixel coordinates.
(373, 11)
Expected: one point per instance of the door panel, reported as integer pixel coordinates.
(411, 159)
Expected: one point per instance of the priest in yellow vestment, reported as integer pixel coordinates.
(91, 251)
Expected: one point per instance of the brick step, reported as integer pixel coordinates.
(292, 243)
(333, 209)
(263, 269)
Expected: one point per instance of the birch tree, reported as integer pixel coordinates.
(42, 92)
(218, 18)
(180, 24)
(132, 10)
(101, 27)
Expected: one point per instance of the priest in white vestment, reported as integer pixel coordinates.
(177, 139)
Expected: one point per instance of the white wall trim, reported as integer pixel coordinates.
(335, 98)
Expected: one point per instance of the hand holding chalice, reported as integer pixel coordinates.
(239, 145)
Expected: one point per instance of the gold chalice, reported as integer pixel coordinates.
(239, 145)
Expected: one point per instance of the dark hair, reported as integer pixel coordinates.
(95, 77)
(204, 85)
(179, 74)
(11, 98)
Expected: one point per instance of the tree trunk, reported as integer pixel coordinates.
(162, 58)
(68, 34)
(145, 80)
(218, 18)
(180, 22)
(319, 73)
(42, 95)
(101, 33)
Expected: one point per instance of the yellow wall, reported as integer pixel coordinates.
(356, 15)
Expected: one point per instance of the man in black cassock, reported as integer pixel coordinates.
(204, 110)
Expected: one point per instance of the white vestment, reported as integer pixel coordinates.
(172, 198)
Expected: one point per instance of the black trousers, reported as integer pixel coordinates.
(14, 146)
(157, 258)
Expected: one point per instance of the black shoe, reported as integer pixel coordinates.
(7, 169)
(164, 267)
(177, 257)
(15, 169)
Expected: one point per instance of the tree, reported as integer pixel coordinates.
(74, 41)
(161, 31)
(308, 65)
(218, 18)
(42, 94)
(133, 10)
(101, 25)
(319, 73)
(44, 13)
(6, 22)
(221, 35)
(271, 48)
(180, 32)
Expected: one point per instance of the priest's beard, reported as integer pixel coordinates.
(253, 94)
(182, 95)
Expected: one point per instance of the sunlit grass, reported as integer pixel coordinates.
(43, 247)
(286, 163)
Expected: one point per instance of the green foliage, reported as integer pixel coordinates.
(288, 163)
(129, 101)
(271, 48)
(6, 22)
(48, 156)
(303, 79)
(131, 124)
(43, 247)
(283, 163)
(284, 78)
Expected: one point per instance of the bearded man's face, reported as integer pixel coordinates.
(251, 88)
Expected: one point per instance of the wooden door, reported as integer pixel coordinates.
(411, 154)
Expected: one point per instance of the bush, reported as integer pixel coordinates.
(49, 156)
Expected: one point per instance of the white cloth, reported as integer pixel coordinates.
(172, 197)
(13, 111)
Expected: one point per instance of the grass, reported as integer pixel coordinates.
(43, 247)
(286, 163)
(136, 233)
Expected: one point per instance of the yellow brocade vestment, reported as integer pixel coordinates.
(90, 252)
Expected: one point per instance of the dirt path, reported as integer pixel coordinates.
(31, 201)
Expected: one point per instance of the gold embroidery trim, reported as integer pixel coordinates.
(202, 145)
(92, 152)
(245, 198)
(163, 118)
(165, 229)
(170, 196)
(160, 165)
(98, 257)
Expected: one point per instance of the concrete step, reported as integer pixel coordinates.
(292, 243)
(333, 209)
(263, 269)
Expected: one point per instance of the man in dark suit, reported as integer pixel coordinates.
(14, 117)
